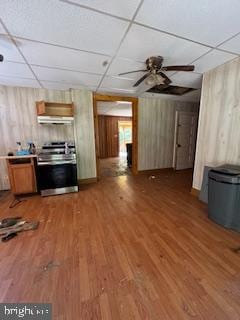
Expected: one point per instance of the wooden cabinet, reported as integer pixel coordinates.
(54, 109)
(22, 175)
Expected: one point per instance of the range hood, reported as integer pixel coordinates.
(55, 120)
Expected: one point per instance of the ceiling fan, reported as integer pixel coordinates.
(155, 72)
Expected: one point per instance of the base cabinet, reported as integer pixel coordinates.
(22, 176)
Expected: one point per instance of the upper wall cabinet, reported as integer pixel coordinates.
(54, 109)
(55, 113)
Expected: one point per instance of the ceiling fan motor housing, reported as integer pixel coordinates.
(154, 63)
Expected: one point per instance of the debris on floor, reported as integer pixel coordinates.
(50, 265)
(8, 222)
(10, 227)
(152, 177)
(9, 236)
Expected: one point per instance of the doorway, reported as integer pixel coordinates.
(115, 122)
(185, 140)
(115, 137)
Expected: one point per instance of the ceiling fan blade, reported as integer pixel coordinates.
(167, 81)
(121, 74)
(141, 79)
(178, 68)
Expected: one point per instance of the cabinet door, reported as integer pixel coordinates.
(23, 179)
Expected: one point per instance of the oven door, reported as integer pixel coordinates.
(57, 177)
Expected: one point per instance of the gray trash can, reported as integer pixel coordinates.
(224, 196)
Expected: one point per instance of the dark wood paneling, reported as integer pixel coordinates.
(108, 135)
(102, 137)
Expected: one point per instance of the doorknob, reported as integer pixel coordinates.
(179, 145)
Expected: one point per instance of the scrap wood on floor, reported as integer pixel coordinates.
(10, 227)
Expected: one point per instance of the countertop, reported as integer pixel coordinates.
(18, 157)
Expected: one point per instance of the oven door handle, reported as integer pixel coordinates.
(53, 163)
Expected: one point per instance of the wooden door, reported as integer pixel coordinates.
(112, 136)
(185, 140)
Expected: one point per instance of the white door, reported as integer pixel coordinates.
(185, 140)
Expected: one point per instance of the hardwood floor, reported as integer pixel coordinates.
(124, 248)
(113, 167)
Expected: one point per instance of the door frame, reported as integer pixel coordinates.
(178, 112)
(109, 98)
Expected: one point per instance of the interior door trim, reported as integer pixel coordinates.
(134, 101)
(175, 145)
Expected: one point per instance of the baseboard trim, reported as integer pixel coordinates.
(87, 181)
(195, 192)
(156, 171)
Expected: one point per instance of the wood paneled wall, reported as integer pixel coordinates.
(156, 121)
(85, 141)
(18, 122)
(218, 140)
(109, 135)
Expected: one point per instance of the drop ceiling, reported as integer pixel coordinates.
(61, 44)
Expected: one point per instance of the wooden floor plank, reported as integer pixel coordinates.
(128, 247)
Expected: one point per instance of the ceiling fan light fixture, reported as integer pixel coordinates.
(154, 79)
(150, 80)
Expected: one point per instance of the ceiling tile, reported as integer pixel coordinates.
(18, 82)
(83, 79)
(209, 22)
(123, 8)
(232, 45)
(60, 23)
(2, 31)
(63, 86)
(187, 79)
(11, 69)
(212, 60)
(9, 50)
(141, 43)
(118, 83)
(54, 56)
(125, 65)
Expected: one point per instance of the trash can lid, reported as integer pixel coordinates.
(226, 174)
(227, 169)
